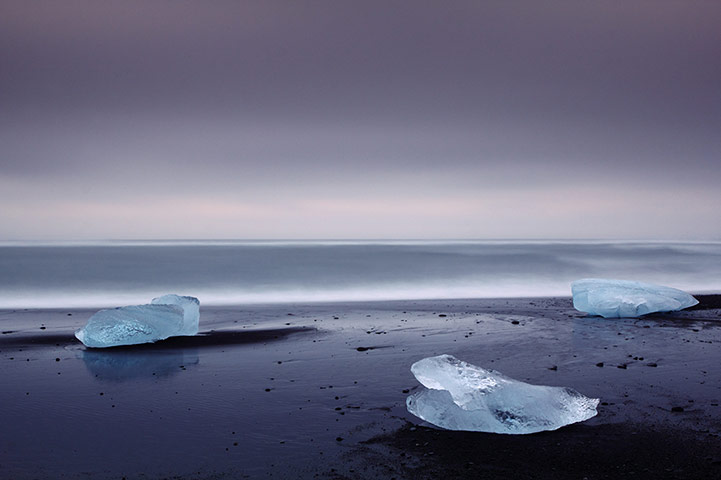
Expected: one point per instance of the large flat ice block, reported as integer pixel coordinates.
(191, 311)
(462, 396)
(628, 299)
(131, 325)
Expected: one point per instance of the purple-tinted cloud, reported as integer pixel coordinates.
(271, 104)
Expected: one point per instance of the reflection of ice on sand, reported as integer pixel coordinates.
(173, 355)
(121, 365)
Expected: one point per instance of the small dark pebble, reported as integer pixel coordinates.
(599, 364)
(677, 409)
(554, 368)
(267, 389)
(57, 359)
(405, 390)
(42, 328)
(622, 366)
(364, 349)
(515, 322)
(652, 364)
(338, 439)
(442, 315)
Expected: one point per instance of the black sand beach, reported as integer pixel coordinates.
(318, 391)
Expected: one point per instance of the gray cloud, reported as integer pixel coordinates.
(103, 99)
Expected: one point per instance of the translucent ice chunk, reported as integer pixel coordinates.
(191, 311)
(462, 396)
(623, 298)
(131, 325)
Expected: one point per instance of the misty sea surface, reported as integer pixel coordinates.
(98, 274)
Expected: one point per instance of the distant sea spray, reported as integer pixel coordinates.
(98, 274)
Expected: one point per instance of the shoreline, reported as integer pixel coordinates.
(269, 391)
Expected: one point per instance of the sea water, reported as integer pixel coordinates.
(101, 274)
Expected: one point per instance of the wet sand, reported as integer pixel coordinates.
(308, 391)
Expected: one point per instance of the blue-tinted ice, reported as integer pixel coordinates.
(191, 311)
(462, 396)
(623, 298)
(168, 316)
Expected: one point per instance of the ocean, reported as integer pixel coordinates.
(99, 274)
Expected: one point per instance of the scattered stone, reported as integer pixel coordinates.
(677, 409)
(599, 364)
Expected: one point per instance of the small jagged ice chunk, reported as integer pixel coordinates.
(626, 299)
(131, 325)
(461, 396)
(191, 311)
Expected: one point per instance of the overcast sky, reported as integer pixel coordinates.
(360, 119)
